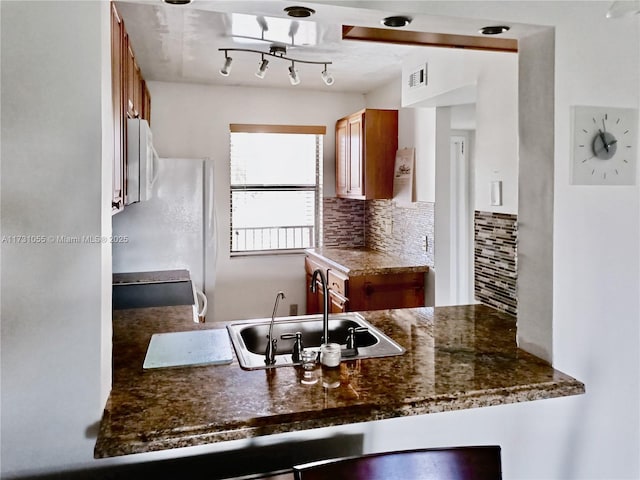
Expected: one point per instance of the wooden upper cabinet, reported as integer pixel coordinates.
(117, 82)
(131, 99)
(366, 145)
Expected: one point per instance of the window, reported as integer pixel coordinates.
(275, 187)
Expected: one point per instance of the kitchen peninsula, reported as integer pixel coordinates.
(457, 358)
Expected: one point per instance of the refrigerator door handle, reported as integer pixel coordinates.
(202, 313)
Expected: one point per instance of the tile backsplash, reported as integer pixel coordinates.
(381, 225)
(495, 260)
(385, 226)
(400, 229)
(343, 222)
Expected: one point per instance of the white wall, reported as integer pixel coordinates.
(56, 180)
(595, 279)
(490, 80)
(415, 129)
(193, 121)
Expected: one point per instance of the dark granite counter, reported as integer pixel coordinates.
(362, 261)
(457, 358)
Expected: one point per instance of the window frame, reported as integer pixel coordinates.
(319, 131)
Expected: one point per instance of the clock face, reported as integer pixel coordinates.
(604, 146)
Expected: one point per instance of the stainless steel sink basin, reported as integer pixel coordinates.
(249, 338)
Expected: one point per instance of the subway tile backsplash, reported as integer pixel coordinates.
(495, 260)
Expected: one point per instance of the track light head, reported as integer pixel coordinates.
(293, 75)
(226, 68)
(327, 78)
(263, 68)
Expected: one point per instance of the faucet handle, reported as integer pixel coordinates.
(351, 337)
(297, 346)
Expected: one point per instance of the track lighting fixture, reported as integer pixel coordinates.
(226, 68)
(275, 51)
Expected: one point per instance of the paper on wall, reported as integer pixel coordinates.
(403, 175)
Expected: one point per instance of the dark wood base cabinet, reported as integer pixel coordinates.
(353, 293)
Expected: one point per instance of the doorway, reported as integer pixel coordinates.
(461, 226)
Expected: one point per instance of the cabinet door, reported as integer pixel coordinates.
(146, 103)
(138, 91)
(342, 157)
(117, 81)
(130, 80)
(356, 178)
(314, 300)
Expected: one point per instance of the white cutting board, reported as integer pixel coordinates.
(181, 349)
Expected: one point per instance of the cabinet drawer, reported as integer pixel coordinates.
(337, 303)
(338, 282)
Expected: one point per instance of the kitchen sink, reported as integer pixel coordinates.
(249, 338)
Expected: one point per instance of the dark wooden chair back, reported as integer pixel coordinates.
(456, 463)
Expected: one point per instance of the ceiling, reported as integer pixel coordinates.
(180, 43)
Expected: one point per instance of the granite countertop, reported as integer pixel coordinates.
(457, 358)
(363, 261)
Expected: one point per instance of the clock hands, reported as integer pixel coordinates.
(604, 140)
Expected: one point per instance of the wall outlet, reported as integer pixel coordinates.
(293, 309)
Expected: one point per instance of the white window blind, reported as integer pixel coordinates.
(275, 190)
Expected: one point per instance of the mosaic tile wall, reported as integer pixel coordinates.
(343, 222)
(403, 230)
(381, 225)
(495, 260)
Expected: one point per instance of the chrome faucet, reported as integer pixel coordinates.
(325, 305)
(270, 352)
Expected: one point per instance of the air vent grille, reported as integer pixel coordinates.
(418, 78)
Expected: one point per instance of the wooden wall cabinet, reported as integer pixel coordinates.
(366, 145)
(355, 293)
(117, 83)
(131, 99)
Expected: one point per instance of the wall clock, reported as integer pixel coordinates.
(604, 149)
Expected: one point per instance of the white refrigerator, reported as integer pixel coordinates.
(175, 228)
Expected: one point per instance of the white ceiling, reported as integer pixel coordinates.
(180, 44)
